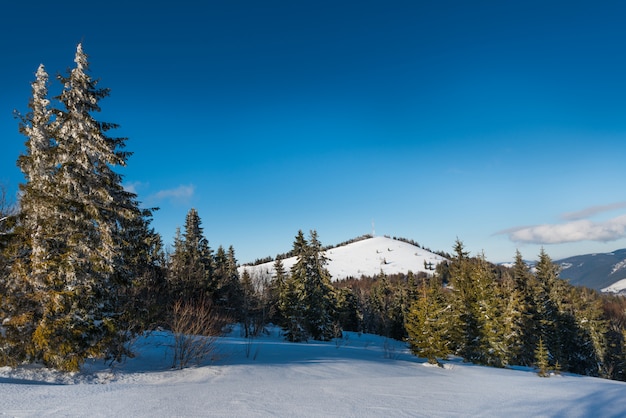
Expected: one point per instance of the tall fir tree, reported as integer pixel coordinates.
(320, 294)
(477, 310)
(429, 322)
(548, 315)
(523, 315)
(275, 289)
(24, 284)
(191, 272)
(72, 224)
(228, 291)
(307, 301)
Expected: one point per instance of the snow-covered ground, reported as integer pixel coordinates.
(366, 257)
(357, 376)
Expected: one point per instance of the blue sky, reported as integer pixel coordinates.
(501, 124)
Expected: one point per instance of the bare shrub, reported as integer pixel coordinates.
(196, 326)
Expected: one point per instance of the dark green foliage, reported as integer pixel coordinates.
(348, 311)
(191, 265)
(429, 322)
(275, 287)
(542, 361)
(308, 303)
(388, 303)
(228, 294)
(478, 307)
(145, 300)
(521, 315)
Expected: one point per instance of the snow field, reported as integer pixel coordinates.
(356, 376)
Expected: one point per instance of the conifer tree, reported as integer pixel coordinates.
(349, 316)
(523, 316)
(146, 300)
(491, 348)
(542, 359)
(514, 323)
(308, 303)
(381, 303)
(23, 284)
(388, 302)
(476, 303)
(292, 306)
(320, 295)
(72, 223)
(228, 293)
(191, 265)
(552, 329)
(275, 289)
(429, 322)
(250, 313)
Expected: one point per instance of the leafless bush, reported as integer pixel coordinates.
(196, 326)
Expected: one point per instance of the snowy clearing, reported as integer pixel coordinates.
(357, 376)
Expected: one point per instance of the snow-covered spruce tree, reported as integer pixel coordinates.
(73, 220)
(29, 252)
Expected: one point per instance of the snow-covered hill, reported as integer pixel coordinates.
(367, 257)
(359, 375)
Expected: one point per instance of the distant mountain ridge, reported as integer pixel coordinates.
(597, 271)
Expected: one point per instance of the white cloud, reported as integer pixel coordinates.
(576, 230)
(181, 192)
(593, 210)
(133, 186)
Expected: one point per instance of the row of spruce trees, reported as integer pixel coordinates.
(82, 272)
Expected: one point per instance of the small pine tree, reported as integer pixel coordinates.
(428, 323)
(542, 357)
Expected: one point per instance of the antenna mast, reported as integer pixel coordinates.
(373, 229)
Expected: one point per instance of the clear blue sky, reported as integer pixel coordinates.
(500, 123)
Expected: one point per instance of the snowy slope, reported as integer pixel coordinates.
(357, 376)
(366, 257)
(617, 287)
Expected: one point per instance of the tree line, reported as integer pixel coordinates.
(82, 272)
